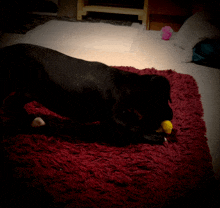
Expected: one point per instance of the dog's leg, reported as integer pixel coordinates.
(13, 108)
(155, 137)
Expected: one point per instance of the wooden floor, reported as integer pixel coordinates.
(159, 21)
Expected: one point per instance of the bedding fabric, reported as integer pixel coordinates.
(207, 53)
(58, 172)
(200, 26)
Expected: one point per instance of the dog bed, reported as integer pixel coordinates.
(43, 171)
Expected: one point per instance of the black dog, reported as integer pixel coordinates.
(125, 103)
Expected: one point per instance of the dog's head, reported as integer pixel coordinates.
(146, 108)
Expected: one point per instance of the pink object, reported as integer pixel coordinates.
(166, 32)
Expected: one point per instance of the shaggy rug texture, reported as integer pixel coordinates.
(55, 172)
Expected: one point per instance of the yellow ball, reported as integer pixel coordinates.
(167, 126)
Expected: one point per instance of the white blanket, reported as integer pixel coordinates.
(98, 36)
(112, 45)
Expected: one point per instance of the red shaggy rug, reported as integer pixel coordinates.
(59, 173)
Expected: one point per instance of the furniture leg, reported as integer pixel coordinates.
(80, 5)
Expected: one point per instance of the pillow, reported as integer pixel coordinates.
(195, 29)
(207, 53)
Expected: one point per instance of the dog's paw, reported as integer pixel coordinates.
(155, 138)
(37, 122)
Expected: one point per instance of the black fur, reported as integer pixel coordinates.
(126, 104)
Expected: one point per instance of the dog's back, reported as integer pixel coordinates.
(44, 72)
